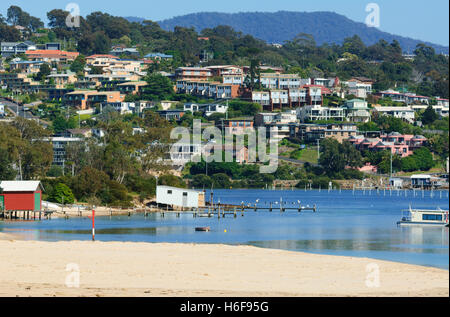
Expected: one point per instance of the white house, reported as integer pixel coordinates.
(2, 110)
(180, 154)
(317, 112)
(357, 110)
(206, 109)
(405, 113)
(179, 197)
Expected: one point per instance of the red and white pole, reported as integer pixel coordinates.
(93, 225)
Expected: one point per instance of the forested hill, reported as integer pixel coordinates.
(326, 27)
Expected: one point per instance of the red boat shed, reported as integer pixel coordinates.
(21, 195)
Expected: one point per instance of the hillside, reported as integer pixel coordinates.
(326, 27)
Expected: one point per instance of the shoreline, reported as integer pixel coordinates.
(35, 268)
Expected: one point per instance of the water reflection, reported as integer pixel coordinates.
(345, 224)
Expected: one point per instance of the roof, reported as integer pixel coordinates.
(158, 55)
(132, 83)
(27, 62)
(52, 53)
(177, 188)
(102, 56)
(20, 186)
(420, 176)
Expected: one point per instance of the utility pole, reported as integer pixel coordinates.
(391, 163)
(318, 148)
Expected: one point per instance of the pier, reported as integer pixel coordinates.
(25, 215)
(221, 211)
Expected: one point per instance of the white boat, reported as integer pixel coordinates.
(437, 217)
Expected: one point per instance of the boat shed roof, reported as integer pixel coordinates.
(20, 186)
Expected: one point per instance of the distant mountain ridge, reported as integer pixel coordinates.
(277, 27)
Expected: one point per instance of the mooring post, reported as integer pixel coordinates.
(235, 215)
(270, 207)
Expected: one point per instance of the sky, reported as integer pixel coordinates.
(418, 19)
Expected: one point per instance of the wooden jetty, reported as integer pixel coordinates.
(26, 214)
(223, 210)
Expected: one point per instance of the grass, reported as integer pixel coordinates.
(308, 155)
(84, 117)
(431, 171)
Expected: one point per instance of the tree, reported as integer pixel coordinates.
(102, 43)
(159, 88)
(429, 115)
(424, 159)
(44, 71)
(331, 158)
(89, 183)
(9, 33)
(78, 64)
(15, 15)
(171, 180)
(201, 181)
(61, 194)
(7, 171)
(221, 180)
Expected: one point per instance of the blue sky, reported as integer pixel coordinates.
(423, 20)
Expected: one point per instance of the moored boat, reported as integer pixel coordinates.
(436, 217)
(203, 229)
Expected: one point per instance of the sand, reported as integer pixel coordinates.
(32, 268)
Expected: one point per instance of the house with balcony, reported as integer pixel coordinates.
(405, 97)
(85, 99)
(131, 87)
(206, 109)
(399, 144)
(237, 126)
(357, 110)
(171, 114)
(193, 73)
(317, 112)
(8, 49)
(337, 131)
(59, 145)
(100, 60)
(28, 67)
(209, 89)
(62, 80)
(404, 113)
(52, 56)
(158, 56)
(128, 51)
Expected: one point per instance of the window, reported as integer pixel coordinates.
(185, 194)
(169, 192)
(432, 217)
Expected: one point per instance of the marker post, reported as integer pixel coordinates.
(93, 224)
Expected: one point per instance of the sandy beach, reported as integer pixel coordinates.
(31, 268)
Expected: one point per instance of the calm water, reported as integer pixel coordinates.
(361, 224)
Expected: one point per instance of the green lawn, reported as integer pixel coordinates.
(308, 155)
